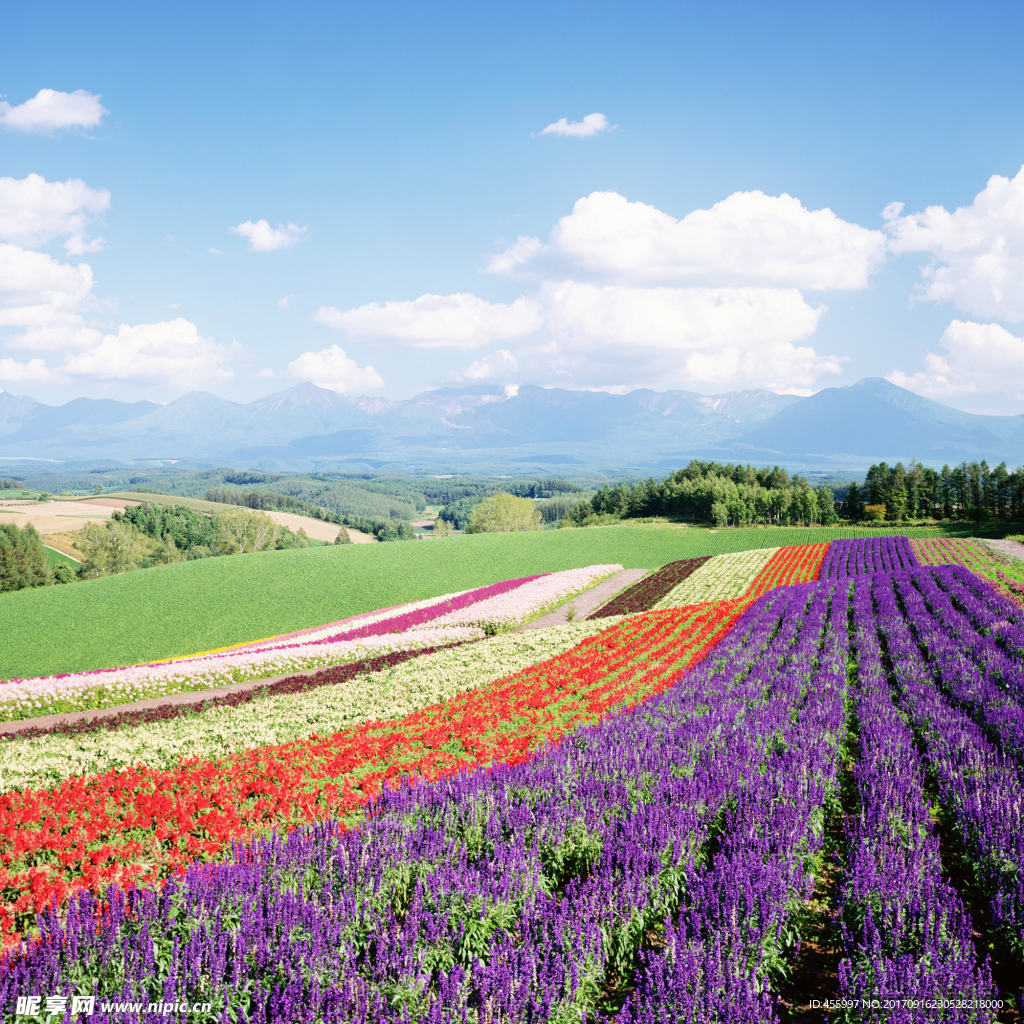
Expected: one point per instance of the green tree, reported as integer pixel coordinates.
(343, 537)
(23, 561)
(504, 513)
(242, 530)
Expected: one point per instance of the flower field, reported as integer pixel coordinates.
(1007, 579)
(723, 578)
(670, 813)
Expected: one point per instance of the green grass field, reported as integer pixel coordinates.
(58, 556)
(200, 605)
(196, 504)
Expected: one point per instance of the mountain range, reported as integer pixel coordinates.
(486, 428)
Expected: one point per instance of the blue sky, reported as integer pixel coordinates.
(404, 144)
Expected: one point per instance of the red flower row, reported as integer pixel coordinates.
(799, 564)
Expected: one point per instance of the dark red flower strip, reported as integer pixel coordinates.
(645, 593)
(141, 825)
(332, 676)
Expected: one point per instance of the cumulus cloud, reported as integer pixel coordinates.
(263, 238)
(49, 111)
(723, 337)
(35, 371)
(33, 211)
(170, 353)
(978, 250)
(592, 124)
(38, 291)
(460, 320)
(496, 366)
(331, 368)
(982, 359)
(747, 239)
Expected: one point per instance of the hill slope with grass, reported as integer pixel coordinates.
(173, 610)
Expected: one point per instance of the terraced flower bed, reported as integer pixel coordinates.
(450, 619)
(388, 687)
(866, 555)
(140, 824)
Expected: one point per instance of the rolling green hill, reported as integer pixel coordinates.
(200, 605)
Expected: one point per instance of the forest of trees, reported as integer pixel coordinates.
(729, 495)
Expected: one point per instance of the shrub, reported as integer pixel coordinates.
(874, 513)
(63, 573)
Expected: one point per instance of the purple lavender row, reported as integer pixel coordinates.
(906, 932)
(410, 620)
(732, 934)
(866, 555)
(971, 668)
(979, 786)
(522, 889)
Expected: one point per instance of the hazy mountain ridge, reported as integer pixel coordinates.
(308, 425)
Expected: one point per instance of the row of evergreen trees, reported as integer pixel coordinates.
(971, 490)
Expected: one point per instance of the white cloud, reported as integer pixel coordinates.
(285, 302)
(460, 320)
(263, 238)
(164, 354)
(37, 291)
(171, 353)
(331, 368)
(982, 359)
(497, 365)
(671, 337)
(747, 239)
(217, 252)
(978, 249)
(266, 374)
(35, 371)
(50, 110)
(34, 210)
(592, 124)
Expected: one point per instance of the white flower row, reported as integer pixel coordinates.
(264, 721)
(506, 611)
(31, 698)
(722, 578)
(354, 623)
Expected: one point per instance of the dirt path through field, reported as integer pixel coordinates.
(589, 601)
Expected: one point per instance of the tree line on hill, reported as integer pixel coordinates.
(10, 484)
(385, 529)
(971, 490)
